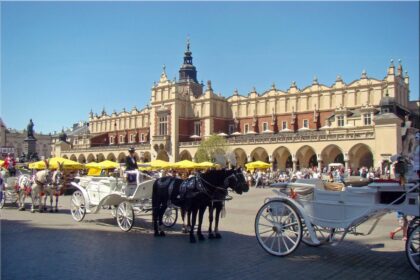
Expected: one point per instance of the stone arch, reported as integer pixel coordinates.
(306, 157)
(241, 157)
(73, 157)
(121, 157)
(100, 157)
(185, 155)
(136, 156)
(259, 154)
(360, 155)
(332, 154)
(111, 157)
(163, 155)
(66, 157)
(282, 158)
(81, 158)
(90, 158)
(147, 157)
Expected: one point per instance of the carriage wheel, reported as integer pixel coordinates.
(412, 248)
(413, 224)
(77, 206)
(3, 199)
(125, 216)
(278, 227)
(170, 217)
(322, 233)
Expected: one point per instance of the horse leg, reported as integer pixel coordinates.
(183, 213)
(56, 203)
(33, 196)
(22, 197)
(51, 195)
(193, 220)
(200, 222)
(216, 224)
(211, 210)
(161, 213)
(155, 214)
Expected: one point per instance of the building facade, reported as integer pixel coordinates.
(13, 141)
(294, 128)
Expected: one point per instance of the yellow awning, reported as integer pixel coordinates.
(106, 164)
(185, 164)
(155, 164)
(93, 171)
(257, 164)
(53, 164)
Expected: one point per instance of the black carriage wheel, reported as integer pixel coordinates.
(412, 248)
(170, 217)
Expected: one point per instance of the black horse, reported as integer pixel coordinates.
(193, 195)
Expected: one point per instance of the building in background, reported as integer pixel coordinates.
(293, 128)
(12, 141)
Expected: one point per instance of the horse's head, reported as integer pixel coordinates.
(236, 181)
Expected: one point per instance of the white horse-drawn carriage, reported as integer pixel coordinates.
(9, 193)
(126, 196)
(309, 211)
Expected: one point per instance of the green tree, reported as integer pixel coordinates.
(210, 148)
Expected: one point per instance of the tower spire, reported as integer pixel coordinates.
(187, 70)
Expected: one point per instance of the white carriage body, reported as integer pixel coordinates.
(353, 205)
(102, 191)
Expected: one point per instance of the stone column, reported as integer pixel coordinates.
(294, 165)
(320, 165)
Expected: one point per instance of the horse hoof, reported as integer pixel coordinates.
(156, 234)
(32, 211)
(56, 210)
(211, 236)
(192, 239)
(162, 233)
(201, 237)
(184, 230)
(218, 236)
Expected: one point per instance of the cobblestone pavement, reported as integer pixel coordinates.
(53, 246)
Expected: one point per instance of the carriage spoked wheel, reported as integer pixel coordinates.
(78, 206)
(278, 227)
(412, 248)
(170, 217)
(322, 234)
(125, 216)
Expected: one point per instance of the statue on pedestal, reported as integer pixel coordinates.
(30, 130)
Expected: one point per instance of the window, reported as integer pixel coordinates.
(197, 128)
(305, 123)
(132, 138)
(75, 141)
(367, 119)
(284, 125)
(121, 139)
(265, 126)
(231, 128)
(340, 120)
(163, 125)
(246, 128)
(111, 140)
(142, 137)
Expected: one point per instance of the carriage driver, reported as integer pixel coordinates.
(130, 160)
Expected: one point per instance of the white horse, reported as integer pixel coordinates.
(41, 181)
(23, 190)
(54, 189)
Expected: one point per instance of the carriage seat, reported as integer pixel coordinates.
(321, 185)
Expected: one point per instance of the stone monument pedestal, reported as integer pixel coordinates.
(30, 147)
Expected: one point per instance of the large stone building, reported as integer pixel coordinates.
(361, 123)
(13, 141)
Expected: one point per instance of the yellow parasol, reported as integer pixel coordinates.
(185, 164)
(106, 164)
(53, 164)
(257, 164)
(1, 162)
(156, 164)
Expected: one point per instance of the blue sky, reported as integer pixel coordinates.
(60, 60)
